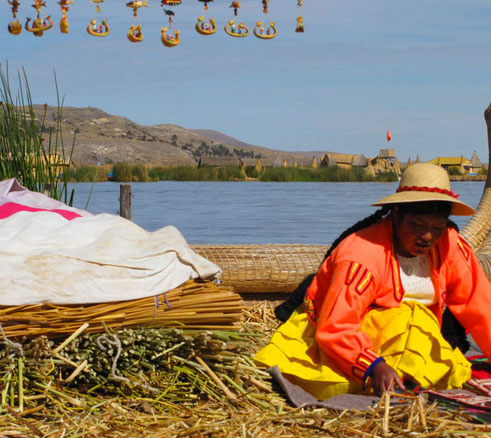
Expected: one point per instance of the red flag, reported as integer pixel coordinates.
(388, 135)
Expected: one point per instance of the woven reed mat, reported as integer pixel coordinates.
(195, 304)
(264, 268)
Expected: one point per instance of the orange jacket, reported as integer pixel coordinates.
(363, 273)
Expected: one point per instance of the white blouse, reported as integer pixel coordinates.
(416, 279)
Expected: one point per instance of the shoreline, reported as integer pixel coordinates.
(468, 177)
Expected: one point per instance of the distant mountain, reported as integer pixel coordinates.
(219, 137)
(104, 138)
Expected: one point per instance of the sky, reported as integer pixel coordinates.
(420, 69)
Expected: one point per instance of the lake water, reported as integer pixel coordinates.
(251, 212)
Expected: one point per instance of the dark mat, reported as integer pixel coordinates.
(301, 398)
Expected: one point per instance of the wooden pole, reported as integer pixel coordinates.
(125, 201)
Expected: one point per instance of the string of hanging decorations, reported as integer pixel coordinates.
(264, 29)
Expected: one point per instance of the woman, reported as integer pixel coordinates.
(374, 308)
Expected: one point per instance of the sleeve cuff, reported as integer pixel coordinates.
(369, 370)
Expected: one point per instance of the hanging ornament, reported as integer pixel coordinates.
(236, 30)
(235, 5)
(64, 6)
(39, 25)
(265, 33)
(135, 34)
(166, 37)
(206, 27)
(299, 28)
(15, 28)
(97, 7)
(95, 29)
(239, 30)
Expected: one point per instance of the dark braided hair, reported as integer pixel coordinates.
(284, 310)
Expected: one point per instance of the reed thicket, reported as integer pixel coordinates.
(29, 150)
(124, 172)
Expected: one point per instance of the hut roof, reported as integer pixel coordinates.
(450, 161)
(360, 161)
(475, 161)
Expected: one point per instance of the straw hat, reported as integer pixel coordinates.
(426, 182)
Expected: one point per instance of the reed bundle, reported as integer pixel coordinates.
(264, 268)
(70, 388)
(194, 304)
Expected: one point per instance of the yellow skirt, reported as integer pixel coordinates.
(407, 337)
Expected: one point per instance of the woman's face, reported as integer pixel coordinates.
(416, 234)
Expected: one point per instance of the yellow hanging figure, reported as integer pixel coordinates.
(135, 34)
(299, 28)
(98, 30)
(206, 27)
(39, 25)
(64, 5)
(14, 27)
(262, 32)
(169, 40)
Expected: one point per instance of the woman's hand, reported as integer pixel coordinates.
(383, 378)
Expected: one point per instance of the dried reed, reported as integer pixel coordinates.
(194, 304)
(158, 387)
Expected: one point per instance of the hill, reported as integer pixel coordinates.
(105, 138)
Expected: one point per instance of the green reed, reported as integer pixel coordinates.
(31, 151)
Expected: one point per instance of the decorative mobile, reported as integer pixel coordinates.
(98, 30)
(236, 30)
(265, 33)
(39, 25)
(14, 27)
(207, 27)
(299, 28)
(166, 37)
(135, 34)
(64, 6)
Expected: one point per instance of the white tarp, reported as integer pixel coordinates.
(12, 191)
(101, 258)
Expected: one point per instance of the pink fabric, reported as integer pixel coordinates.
(10, 208)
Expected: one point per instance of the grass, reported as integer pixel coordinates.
(29, 151)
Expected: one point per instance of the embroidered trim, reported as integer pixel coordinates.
(309, 307)
(364, 282)
(358, 373)
(366, 358)
(396, 275)
(428, 189)
(352, 272)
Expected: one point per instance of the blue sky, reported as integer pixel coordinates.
(419, 68)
